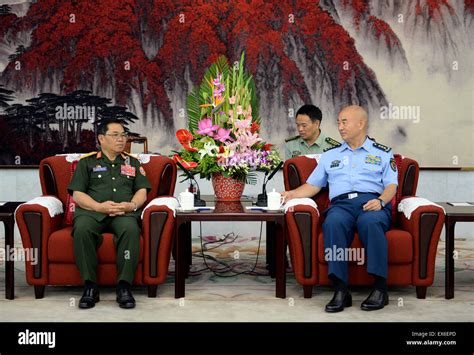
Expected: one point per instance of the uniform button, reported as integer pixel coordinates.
(113, 165)
(114, 189)
(128, 177)
(99, 176)
(113, 178)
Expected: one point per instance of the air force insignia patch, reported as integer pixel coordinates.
(393, 164)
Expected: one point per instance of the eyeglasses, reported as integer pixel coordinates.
(116, 136)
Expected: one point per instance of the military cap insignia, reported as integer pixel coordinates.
(291, 138)
(333, 142)
(393, 164)
(142, 171)
(382, 147)
(89, 155)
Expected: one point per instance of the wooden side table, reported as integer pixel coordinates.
(7, 216)
(453, 214)
(229, 212)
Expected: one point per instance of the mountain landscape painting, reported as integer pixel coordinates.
(67, 65)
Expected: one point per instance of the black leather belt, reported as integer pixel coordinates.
(351, 195)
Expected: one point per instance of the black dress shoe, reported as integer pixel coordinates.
(89, 298)
(376, 300)
(125, 298)
(340, 300)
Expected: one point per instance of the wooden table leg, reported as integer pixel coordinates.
(449, 273)
(9, 264)
(280, 258)
(180, 260)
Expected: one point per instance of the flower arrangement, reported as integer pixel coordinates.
(224, 125)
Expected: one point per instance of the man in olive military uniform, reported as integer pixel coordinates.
(109, 187)
(310, 139)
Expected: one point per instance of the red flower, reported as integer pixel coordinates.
(186, 164)
(185, 137)
(267, 146)
(255, 127)
(221, 149)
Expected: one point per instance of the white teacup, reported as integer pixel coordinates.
(186, 200)
(274, 200)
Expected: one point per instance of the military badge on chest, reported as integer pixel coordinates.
(335, 164)
(127, 170)
(373, 159)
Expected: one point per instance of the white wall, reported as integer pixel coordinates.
(23, 184)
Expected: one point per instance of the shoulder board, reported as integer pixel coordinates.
(382, 147)
(88, 155)
(329, 148)
(291, 138)
(130, 155)
(333, 142)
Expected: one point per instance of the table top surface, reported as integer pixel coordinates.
(8, 208)
(230, 210)
(457, 210)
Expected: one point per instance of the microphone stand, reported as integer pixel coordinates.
(262, 198)
(197, 196)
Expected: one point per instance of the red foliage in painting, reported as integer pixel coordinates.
(152, 47)
(432, 8)
(381, 28)
(360, 9)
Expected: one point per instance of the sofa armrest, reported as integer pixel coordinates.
(302, 223)
(36, 225)
(158, 237)
(425, 225)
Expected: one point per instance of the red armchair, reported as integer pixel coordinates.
(412, 243)
(52, 235)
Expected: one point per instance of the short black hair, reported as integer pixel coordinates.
(311, 111)
(104, 125)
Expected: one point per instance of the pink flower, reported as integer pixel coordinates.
(243, 125)
(232, 100)
(223, 135)
(206, 127)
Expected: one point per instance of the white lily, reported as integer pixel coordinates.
(209, 149)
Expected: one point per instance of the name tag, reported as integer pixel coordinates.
(98, 169)
(127, 170)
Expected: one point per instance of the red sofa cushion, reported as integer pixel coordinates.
(61, 248)
(400, 246)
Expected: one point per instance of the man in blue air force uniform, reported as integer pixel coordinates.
(362, 178)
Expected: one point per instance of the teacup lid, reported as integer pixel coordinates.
(186, 193)
(273, 193)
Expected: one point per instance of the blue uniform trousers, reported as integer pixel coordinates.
(345, 216)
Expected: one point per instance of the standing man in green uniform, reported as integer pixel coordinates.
(310, 139)
(109, 187)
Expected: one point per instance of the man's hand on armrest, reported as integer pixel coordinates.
(305, 190)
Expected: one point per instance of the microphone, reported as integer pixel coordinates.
(197, 196)
(262, 198)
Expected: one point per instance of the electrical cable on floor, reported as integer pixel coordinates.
(223, 272)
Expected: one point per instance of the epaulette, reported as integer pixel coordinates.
(382, 147)
(291, 138)
(329, 148)
(88, 155)
(333, 142)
